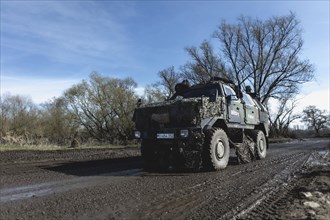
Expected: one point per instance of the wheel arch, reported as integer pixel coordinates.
(263, 128)
(215, 123)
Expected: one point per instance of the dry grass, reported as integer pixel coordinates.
(53, 147)
(280, 140)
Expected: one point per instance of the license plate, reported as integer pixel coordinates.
(165, 136)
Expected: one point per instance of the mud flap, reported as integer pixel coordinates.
(192, 160)
(246, 151)
(174, 159)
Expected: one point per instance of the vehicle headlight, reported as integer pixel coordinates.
(137, 134)
(184, 133)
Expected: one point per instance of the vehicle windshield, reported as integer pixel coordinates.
(209, 91)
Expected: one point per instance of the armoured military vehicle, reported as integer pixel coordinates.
(197, 127)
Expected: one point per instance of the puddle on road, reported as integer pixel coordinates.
(43, 189)
(24, 195)
(24, 188)
(319, 158)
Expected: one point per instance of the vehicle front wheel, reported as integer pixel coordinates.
(216, 149)
(261, 143)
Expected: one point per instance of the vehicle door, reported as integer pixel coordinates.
(251, 110)
(234, 106)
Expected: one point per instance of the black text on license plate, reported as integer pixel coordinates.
(165, 136)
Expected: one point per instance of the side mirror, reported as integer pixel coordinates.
(238, 92)
(228, 98)
(139, 103)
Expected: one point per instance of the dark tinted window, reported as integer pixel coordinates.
(209, 91)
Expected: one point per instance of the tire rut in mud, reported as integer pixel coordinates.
(31, 167)
(31, 156)
(291, 200)
(227, 194)
(211, 199)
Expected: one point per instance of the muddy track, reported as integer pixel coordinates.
(287, 201)
(106, 187)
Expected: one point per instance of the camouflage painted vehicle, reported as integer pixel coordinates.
(197, 127)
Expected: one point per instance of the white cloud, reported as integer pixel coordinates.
(139, 91)
(321, 99)
(64, 31)
(39, 90)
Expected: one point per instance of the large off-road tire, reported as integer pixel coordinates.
(148, 155)
(216, 150)
(261, 144)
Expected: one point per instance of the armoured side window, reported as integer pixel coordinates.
(248, 100)
(261, 106)
(231, 92)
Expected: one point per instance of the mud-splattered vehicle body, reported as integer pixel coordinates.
(199, 124)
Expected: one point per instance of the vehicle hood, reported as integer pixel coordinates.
(168, 114)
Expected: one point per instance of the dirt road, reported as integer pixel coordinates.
(110, 184)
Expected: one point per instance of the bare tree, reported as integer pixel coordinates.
(153, 94)
(283, 116)
(19, 118)
(168, 79)
(315, 118)
(104, 107)
(265, 54)
(58, 124)
(164, 88)
(205, 64)
(18, 113)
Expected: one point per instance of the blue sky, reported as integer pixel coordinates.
(47, 46)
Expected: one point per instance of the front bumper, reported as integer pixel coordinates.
(180, 152)
(172, 137)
